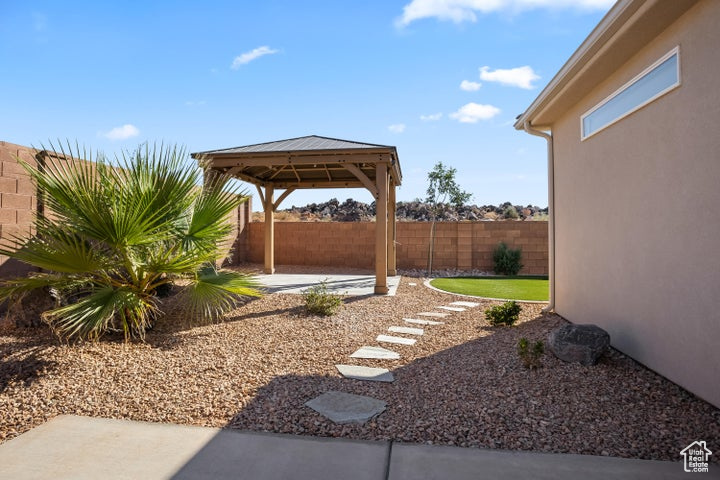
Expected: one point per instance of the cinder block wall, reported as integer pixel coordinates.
(342, 244)
(239, 237)
(18, 201)
(461, 245)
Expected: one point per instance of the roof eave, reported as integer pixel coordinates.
(611, 43)
(278, 153)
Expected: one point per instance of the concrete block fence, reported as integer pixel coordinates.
(18, 202)
(461, 245)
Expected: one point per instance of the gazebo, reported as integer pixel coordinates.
(318, 162)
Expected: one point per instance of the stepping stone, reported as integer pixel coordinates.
(375, 352)
(434, 314)
(398, 340)
(341, 407)
(422, 322)
(365, 373)
(465, 304)
(408, 330)
(453, 309)
(412, 284)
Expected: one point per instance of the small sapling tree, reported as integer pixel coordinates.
(442, 189)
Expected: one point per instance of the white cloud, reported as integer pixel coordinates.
(473, 112)
(469, 86)
(397, 128)
(248, 57)
(432, 117)
(122, 133)
(515, 77)
(459, 11)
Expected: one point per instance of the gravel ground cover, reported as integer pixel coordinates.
(460, 384)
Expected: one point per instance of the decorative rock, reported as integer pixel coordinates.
(365, 373)
(453, 309)
(417, 321)
(398, 340)
(341, 407)
(412, 284)
(407, 330)
(584, 344)
(375, 352)
(465, 304)
(434, 314)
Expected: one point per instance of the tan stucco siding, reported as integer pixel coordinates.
(637, 212)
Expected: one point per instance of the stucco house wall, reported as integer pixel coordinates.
(637, 212)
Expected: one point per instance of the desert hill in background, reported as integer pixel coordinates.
(416, 211)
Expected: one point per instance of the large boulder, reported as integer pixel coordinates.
(584, 344)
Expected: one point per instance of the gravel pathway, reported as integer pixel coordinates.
(460, 384)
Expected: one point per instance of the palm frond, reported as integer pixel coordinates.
(214, 293)
(92, 315)
(16, 287)
(58, 250)
(209, 223)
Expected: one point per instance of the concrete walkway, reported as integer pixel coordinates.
(352, 284)
(71, 447)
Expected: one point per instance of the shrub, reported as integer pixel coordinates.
(505, 314)
(118, 240)
(530, 354)
(319, 301)
(507, 260)
(511, 213)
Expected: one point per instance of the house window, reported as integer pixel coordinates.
(655, 81)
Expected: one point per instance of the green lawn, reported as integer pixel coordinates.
(511, 288)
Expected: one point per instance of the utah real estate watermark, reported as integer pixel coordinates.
(695, 457)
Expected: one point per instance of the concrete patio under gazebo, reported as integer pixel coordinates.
(318, 162)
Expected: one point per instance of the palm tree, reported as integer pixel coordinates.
(111, 238)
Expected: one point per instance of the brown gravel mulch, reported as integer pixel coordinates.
(461, 384)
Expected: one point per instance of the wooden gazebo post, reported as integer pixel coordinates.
(269, 229)
(381, 230)
(392, 231)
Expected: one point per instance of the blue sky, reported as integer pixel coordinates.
(442, 80)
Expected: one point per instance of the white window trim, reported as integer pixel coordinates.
(674, 51)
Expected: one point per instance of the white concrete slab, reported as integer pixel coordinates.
(371, 374)
(452, 309)
(398, 340)
(418, 321)
(341, 407)
(412, 284)
(83, 448)
(466, 304)
(375, 352)
(407, 330)
(434, 314)
(69, 447)
(351, 285)
(410, 462)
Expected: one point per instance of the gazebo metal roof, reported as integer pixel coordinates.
(311, 142)
(318, 162)
(307, 162)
